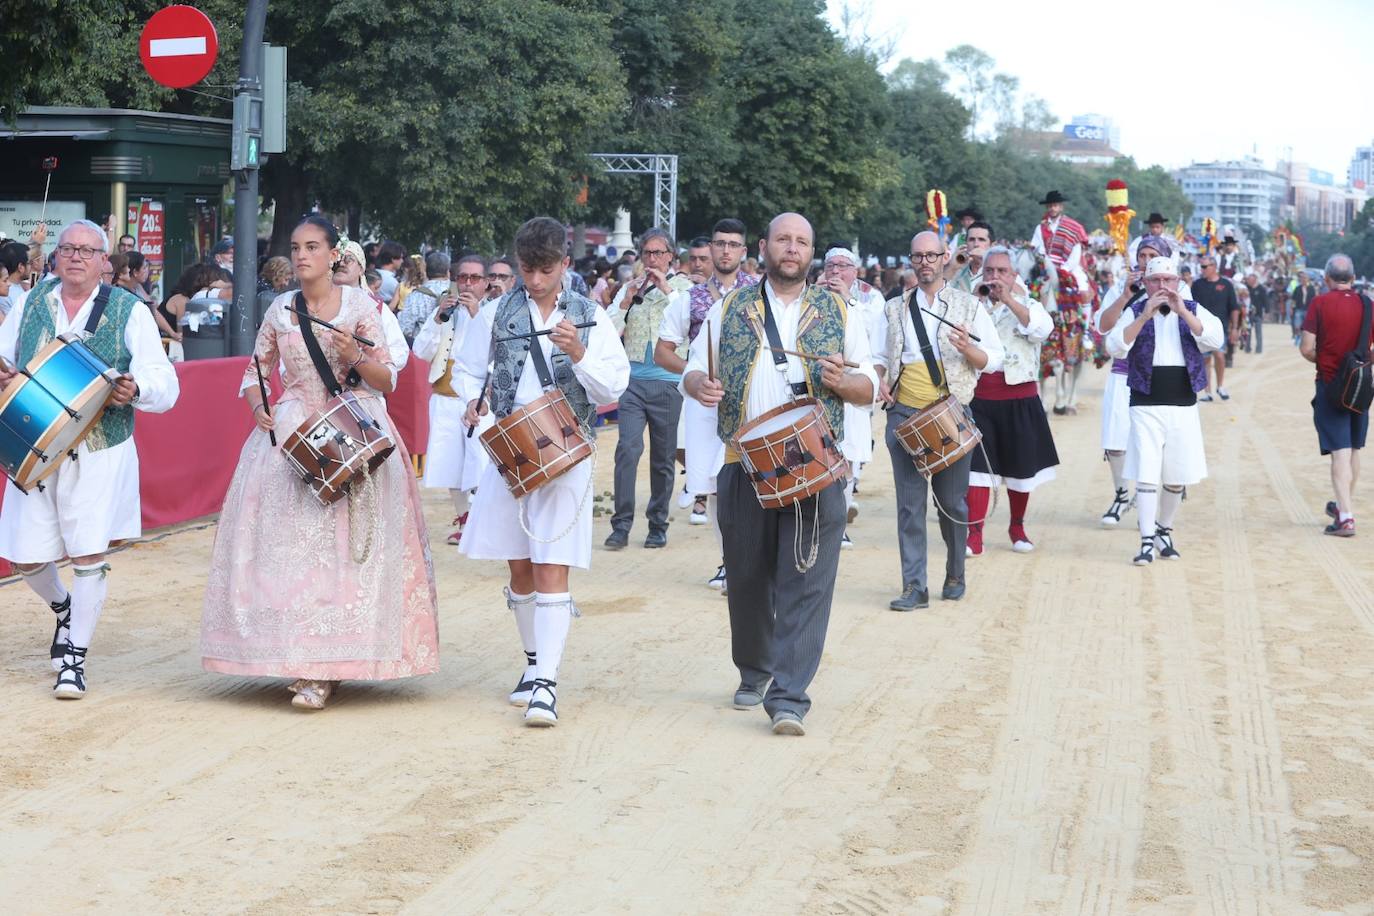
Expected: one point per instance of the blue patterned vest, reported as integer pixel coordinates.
(820, 330)
(38, 327)
(509, 357)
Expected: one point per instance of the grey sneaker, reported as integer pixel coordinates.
(786, 722)
(747, 697)
(910, 599)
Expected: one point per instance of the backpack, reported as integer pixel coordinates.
(1352, 387)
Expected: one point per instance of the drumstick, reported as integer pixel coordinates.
(362, 340)
(262, 387)
(710, 357)
(491, 367)
(533, 334)
(847, 363)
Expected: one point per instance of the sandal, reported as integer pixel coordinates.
(311, 694)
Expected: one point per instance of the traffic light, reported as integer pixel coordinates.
(245, 149)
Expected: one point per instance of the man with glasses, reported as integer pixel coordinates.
(452, 460)
(921, 364)
(1216, 294)
(681, 325)
(841, 276)
(653, 399)
(500, 278)
(91, 502)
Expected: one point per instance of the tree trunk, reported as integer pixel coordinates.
(355, 223)
(287, 185)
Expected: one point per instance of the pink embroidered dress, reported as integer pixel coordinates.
(298, 590)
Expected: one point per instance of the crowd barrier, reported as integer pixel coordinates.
(187, 455)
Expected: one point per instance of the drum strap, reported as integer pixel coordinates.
(937, 377)
(770, 329)
(312, 346)
(102, 299)
(541, 365)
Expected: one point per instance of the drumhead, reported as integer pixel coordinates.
(785, 420)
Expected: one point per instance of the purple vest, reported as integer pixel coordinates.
(1140, 362)
(704, 295)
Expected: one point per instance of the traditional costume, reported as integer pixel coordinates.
(1018, 447)
(1164, 366)
(453, 460)
(553, 524)
(653, 400)
(319, 593)
(1060, 242)
(921, 367)
(704, 452)
(90, 503)
(778, 615)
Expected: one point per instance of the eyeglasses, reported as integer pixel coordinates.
(495, 276)
(930, 257)
(727, 244)
(84, 252)
(655, 252)
(470, 278)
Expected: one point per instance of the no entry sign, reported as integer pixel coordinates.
(178, 46)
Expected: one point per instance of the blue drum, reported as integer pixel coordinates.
(47, 410)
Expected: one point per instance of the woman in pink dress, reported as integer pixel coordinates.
(297, 590)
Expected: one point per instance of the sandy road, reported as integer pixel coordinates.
(1076, 737)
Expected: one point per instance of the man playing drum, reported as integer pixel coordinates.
(92, 502)
(536, 347)
(924, 363)
(778, 612)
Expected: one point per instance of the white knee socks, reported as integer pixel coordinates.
(1146, 509)
(88, 598)
(523, 608)
(46, 583)
(553, 613)
(1117, 462)
(1169, 502)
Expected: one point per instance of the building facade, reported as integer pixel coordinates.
(1237, 192)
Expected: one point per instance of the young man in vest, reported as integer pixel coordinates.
(677, 333)
(551, 529)
(653, 399)
(453, 460)
(92, 502)
(921, 364)
(1162, 338)
(1018, 447)
(778, 615)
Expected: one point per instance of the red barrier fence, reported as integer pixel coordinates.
(187, 455)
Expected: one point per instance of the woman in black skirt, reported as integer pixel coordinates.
(1018, 448)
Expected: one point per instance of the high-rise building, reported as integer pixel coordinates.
(1316, 202)
(1237, 192)
(1361, 172)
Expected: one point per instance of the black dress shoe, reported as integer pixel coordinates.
(617, 540)
(656, 539)
(953, 590)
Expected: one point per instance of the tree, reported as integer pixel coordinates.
(913, 74)
(974, 68)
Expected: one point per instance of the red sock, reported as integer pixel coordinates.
(1018, 501)
(977, 510)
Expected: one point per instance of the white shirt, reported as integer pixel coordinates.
(768, 387)
(604, 371)
(990, 343)
(389, 283)
(1168, 345)
(156, 378)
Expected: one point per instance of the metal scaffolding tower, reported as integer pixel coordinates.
(664, 169)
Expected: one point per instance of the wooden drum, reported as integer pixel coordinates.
(338, 444)
(790, 453)
(537, 443)
(938, 435)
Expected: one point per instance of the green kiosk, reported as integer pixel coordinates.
(164, 178)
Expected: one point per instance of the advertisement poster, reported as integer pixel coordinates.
(147, 224)
(18, 218)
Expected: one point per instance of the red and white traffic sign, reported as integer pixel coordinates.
(178, 46)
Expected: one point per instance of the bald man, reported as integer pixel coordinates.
(778, 613)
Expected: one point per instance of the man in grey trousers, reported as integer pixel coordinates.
(653, 400)
(781, 563)
(937, 340)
